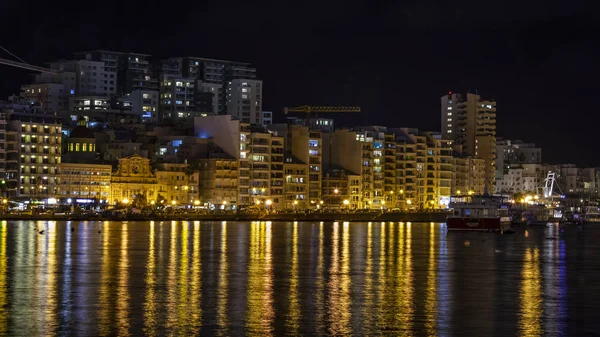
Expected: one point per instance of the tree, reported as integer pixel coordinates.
(139, 200)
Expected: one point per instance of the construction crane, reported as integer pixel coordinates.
(309, 110)
(27, 66)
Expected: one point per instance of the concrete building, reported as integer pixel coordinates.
(470, 121)
(306, 145)
(509, 152)
(244, 100)
(145, 103)
(352, 151)
(259, 153)
(84, 183)
(295, 185)
(267, 118)
(467, 174)
(49, 96)
(341, 190)
(3, 187)
(100, 109)
(91, 77)
(216, 96)
(132, 71)
(522, 178)
(219, 182)
(33, 154)
(177, 99)
(176, 185)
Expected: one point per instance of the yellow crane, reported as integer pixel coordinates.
(309, 110)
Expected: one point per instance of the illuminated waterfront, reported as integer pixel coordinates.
(271, 279)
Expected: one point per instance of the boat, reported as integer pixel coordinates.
(591, 215)
(478, 213)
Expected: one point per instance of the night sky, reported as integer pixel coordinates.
(539, 61)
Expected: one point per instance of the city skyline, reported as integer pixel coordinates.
(524, 61)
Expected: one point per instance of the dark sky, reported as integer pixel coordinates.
(538, 59)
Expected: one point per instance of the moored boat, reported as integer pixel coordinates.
(478, 213)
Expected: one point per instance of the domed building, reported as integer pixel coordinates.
(81, 146)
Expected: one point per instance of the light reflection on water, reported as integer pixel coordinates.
(263, 278)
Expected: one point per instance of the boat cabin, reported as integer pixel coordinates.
(479, 206)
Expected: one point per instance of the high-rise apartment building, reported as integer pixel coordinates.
(470, 122)
(260, 156)
(132, 70)
(511, 152)
(306, 145)
(91, 77)
(34, 144)
(244, 100)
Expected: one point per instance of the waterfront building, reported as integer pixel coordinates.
(470, 121)
(258, 152)
(467, 174)
(218, 182)
(306, 145)
(341, 190)
(133, 179)
(84, 183)
(295, 185)
(515, 152)
(177, 99)
(33, 154)
(177, 186)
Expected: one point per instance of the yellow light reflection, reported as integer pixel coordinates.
(320, 284)
(334, 327)
(50, 323)
(196, 283)
(123, 298)
(172, 321)
(382, 304)
(183, 283)
(431, 291)
(530, 313)
(368, 293)
(223, 291)
(404, 282)
(3, 273)
(260, 313)
(150, 312)
(105, 289)
(293, 316)
(345, 301)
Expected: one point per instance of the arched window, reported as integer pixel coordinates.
(71, 147)
(91, 148)
(84, 147)
(77, 147)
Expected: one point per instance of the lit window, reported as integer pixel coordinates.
(449, 119)
(449, 113)
(178, 102)
(449, 125)
(449, 131)
(449, 108)
(86, 102)
(84, 147)
(244, 90)
(77, 147)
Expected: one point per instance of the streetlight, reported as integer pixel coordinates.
(347, 202)
(268, 203)
(173, 202)
(196, 202)
(295, 204)
(336, 191)
(125, 201)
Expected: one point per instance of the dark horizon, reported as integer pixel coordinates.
(537, 60)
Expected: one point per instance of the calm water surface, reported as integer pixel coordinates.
(240, 278)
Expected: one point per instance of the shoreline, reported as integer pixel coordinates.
(350, 217)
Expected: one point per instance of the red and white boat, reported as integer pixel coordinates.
(478, 213)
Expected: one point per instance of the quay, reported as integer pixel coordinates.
(352, 217)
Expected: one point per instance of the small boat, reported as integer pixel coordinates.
(478, 213)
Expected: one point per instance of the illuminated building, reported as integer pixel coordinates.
(176, 183)
(134, 177)
(295, 184)
(339, 186)
(34, 145)
(471, 123)
(306, 145)
(219, 181)
(84, 181)
(467, 174)
(244, 100)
